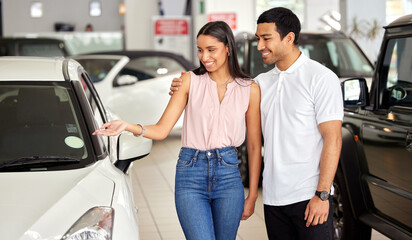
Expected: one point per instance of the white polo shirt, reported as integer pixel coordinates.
(294, 102)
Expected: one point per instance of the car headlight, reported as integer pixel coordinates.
(95, 224)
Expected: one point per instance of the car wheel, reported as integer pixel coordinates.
(243, 163)
(346, 227)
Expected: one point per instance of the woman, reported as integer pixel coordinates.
(220, 103)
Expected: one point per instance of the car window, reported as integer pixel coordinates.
(396, 73)
(41, 121)
(97, 68)
(340, 55)
(148, 67)
(41, 49)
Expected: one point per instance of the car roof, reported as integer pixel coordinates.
(141, 53)
(402, 21)
(28, 39)
(38, 69)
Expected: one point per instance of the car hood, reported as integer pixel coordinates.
(44, 205)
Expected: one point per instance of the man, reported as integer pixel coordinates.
(302, 112)
(301, 115)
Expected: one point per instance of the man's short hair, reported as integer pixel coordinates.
(286, 21)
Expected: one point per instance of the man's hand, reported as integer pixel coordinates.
(316, 212)
(177, 82)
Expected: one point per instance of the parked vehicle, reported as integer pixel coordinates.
(57, 180)
(374, 182)
(60, 44)
(82, 42)
(334, 50)
(135, 84)
(41, 47)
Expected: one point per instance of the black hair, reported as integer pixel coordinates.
(223, 33)
(286, 21)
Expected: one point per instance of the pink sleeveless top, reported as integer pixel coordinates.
(209, 124)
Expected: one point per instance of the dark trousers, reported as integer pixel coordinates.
(287, 222)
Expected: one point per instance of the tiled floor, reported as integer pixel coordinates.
(153, 180)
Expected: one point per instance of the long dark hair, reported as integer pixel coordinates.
(286, 21)
(222, 32)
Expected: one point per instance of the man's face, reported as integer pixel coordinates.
(270, 44)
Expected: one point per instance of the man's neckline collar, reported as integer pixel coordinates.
(301, 59)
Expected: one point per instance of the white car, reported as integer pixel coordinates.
(57, 180)
(135, 84)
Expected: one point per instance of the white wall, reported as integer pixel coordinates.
(364, 12)
(17, 19)
(138, 27)
(245, 12)
(314, 11)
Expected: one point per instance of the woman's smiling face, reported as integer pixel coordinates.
(212, 53)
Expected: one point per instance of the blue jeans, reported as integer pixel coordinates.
(209, 194)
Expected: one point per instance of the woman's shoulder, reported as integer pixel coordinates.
(254, 88)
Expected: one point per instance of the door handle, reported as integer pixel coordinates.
(409, 141)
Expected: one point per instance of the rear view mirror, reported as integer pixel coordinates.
(355, 93)
(126, 80)
(131, 148)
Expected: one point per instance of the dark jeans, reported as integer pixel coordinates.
(287, 222)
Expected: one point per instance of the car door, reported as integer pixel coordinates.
(387, 136)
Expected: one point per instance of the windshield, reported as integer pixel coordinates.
(339, 55)
(140, 68)
(41, 123)
(97, 68)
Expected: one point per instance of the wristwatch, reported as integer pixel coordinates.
(322, 195)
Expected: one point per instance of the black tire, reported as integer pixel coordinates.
(346, 227)
(243, 163)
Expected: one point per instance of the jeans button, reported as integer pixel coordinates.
(209, 154)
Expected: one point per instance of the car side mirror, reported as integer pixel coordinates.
(131, 148)
(126, 79)
(355, 93)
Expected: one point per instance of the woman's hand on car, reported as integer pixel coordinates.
(112, 128)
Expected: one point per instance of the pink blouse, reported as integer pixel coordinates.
(209, 124)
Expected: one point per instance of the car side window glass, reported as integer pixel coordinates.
(396, 74)
(148, 67)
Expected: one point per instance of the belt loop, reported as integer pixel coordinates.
(218, 154)
(195, 155)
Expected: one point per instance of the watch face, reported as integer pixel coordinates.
(324, 196)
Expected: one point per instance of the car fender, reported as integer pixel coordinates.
(350, 163)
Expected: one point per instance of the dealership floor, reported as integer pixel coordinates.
(153, 180)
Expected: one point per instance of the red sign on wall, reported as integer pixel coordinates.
(171, 27)
(229, 18)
